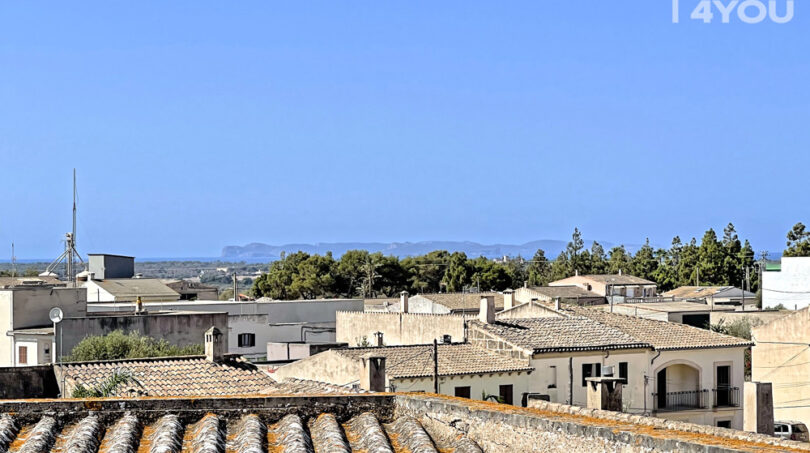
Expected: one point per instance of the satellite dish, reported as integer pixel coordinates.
(55, 314)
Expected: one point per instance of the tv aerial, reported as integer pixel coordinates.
(70, 255)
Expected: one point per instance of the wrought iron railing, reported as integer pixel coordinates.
(680, 401)
(726, 397)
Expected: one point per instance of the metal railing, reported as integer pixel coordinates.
(680, 401)
(726, 397)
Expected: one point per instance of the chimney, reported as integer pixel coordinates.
(379, 337)
(525, 283)
(508, 299)
(403, 302)
(213, 345)
(139, 306)
(605, 393)
(487, 312)
(576, 272)
(758, 407)
(373, 378)
(557, 303)
(620, 271)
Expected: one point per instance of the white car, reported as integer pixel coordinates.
(791, 430)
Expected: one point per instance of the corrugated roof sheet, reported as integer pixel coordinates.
(134, 287)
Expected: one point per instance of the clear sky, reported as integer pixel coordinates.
(195, 125)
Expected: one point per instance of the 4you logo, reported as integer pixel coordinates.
(746, 11)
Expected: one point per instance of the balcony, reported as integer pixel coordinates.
(680, 401)
(726, 397)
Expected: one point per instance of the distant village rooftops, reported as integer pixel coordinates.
(455, 359)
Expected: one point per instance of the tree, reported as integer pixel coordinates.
(118, 345)
(107, 387)
(710, 259)
(539, 271)
(688, 264)
(518, 271)
(798, 241)
(349, 272)
(573, 251)
(427, 271)
(619, 260)
(489, 275)
(561, 267)
(733, 271)
(644, 264)
(598, 264)
(458, 273)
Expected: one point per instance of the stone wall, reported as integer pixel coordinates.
(398, 328)
(28, 382)
(550, 427)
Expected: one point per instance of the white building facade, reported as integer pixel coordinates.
(790, 286)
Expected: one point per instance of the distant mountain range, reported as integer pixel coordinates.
(259, 251)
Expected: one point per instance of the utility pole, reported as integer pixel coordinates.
(235, 288)
(435, 366)
(13, 264)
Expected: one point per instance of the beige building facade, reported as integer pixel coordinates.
(781, 356)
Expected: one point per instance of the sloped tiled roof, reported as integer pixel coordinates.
(571, 291)
(561, 334)
(134, 287)
(699, 292)
(294, 386)
(661, 335)
(454, 359)
(463, 301)
(171, 376)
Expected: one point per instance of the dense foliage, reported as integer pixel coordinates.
(106, 387)
(711, 261)
(117, 345)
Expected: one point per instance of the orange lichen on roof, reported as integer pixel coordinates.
(620, 426)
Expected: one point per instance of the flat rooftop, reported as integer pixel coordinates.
(673, 307)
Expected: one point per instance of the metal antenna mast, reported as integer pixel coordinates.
(70, 254)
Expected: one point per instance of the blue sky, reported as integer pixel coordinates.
(195, 125)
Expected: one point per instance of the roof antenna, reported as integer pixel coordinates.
(70, 254)
(13, 265)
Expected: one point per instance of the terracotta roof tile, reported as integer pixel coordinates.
(660, 334)
(561, 334)
(454, 359)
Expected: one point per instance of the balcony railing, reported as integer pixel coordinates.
(726, 397)
(680, 401)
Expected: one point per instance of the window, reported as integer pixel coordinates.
(724, 424)
(590, 370)
(623, 372)
(463, 392)
(552, 381)
(505, 392)
(22, 355)
(247, 340)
